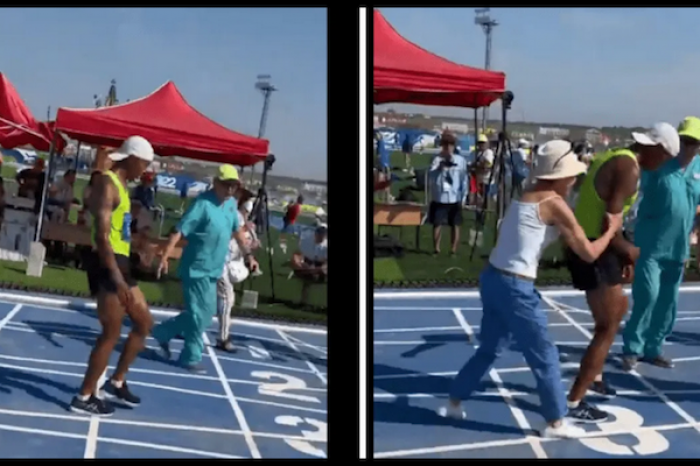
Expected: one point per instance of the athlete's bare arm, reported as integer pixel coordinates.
(623, 183)
(560, 215)
(102, 203)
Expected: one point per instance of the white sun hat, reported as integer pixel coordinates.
(661, 134)
(555, 160)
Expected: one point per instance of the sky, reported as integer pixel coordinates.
(62, 57)
(588, 66)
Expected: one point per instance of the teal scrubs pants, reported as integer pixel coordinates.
(200, 302)
(655, 303)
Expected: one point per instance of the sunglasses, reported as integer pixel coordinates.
(556, 163)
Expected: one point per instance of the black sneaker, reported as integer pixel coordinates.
(123, 394)
(602, 389)
(93, 406)
(587, 414)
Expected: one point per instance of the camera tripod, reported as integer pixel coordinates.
(504, 148)
(260, 217)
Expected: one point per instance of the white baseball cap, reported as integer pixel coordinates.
(135, 146)
(248, 206)
(555, 160)
(661, 134)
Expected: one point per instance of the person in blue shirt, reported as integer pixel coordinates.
(665, 219)
(448, 189)
(207, 225)
(383, 163)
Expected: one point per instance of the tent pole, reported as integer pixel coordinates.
(77, 157)
(45, 190)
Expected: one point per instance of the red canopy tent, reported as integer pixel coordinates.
(171, 125)
(407, 73)
(17, 124)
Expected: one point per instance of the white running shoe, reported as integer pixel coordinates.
(452, 411)
(565, 430)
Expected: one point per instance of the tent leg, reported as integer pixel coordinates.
(45, 191)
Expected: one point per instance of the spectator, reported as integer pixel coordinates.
(480, 163)
(61, 197)
(145, 191)
(291, 213)
(407, 148)
(235, 271)
(310, 262)
(30, 183)
(383, 165)
(448, 175)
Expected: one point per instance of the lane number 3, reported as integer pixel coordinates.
(319, 434)
(649, 442)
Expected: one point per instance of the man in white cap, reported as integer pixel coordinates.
(610, 187)
(109, 274)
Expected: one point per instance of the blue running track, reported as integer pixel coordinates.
(268, 400)
(421, 340)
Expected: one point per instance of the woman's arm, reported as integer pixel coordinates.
(573, 235)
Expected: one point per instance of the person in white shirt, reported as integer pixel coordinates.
(310, 262)
(511, 303)
(235, 271)
(481, 164)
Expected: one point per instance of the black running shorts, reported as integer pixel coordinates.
(100, 278)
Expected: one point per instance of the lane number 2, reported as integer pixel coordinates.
(318, 434)
(281, 389)
(649, 442)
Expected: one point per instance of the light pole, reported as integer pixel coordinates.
(264, 85)
(483, 19)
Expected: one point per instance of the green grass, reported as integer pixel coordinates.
(167, 292)
(419, 266)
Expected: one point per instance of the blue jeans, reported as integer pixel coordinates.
(512, 309)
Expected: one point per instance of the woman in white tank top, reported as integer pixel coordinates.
(507, 285)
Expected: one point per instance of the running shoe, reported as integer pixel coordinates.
(93, 406)
(122, 394)
(451, 411)
(197, 369)
(164, 351)
(629, 362)
(659, 361)
(587, 414)
(227, 346)
(565, 430)
(600, 388)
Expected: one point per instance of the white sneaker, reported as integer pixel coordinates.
(564, 430)
(452, 411)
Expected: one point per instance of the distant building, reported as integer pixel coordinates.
(554, 132)
(594, 136)
(455, 127)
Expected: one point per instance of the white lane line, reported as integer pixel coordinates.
(649, 386)
(304, 357)
(10, 315)
(518, 413)
(242, 422)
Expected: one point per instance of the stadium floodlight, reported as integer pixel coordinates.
(264, 85)
(487, 24)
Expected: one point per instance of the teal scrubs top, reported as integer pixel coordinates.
(207, 225)
(667, 211)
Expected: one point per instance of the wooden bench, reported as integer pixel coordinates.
(82, 236)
